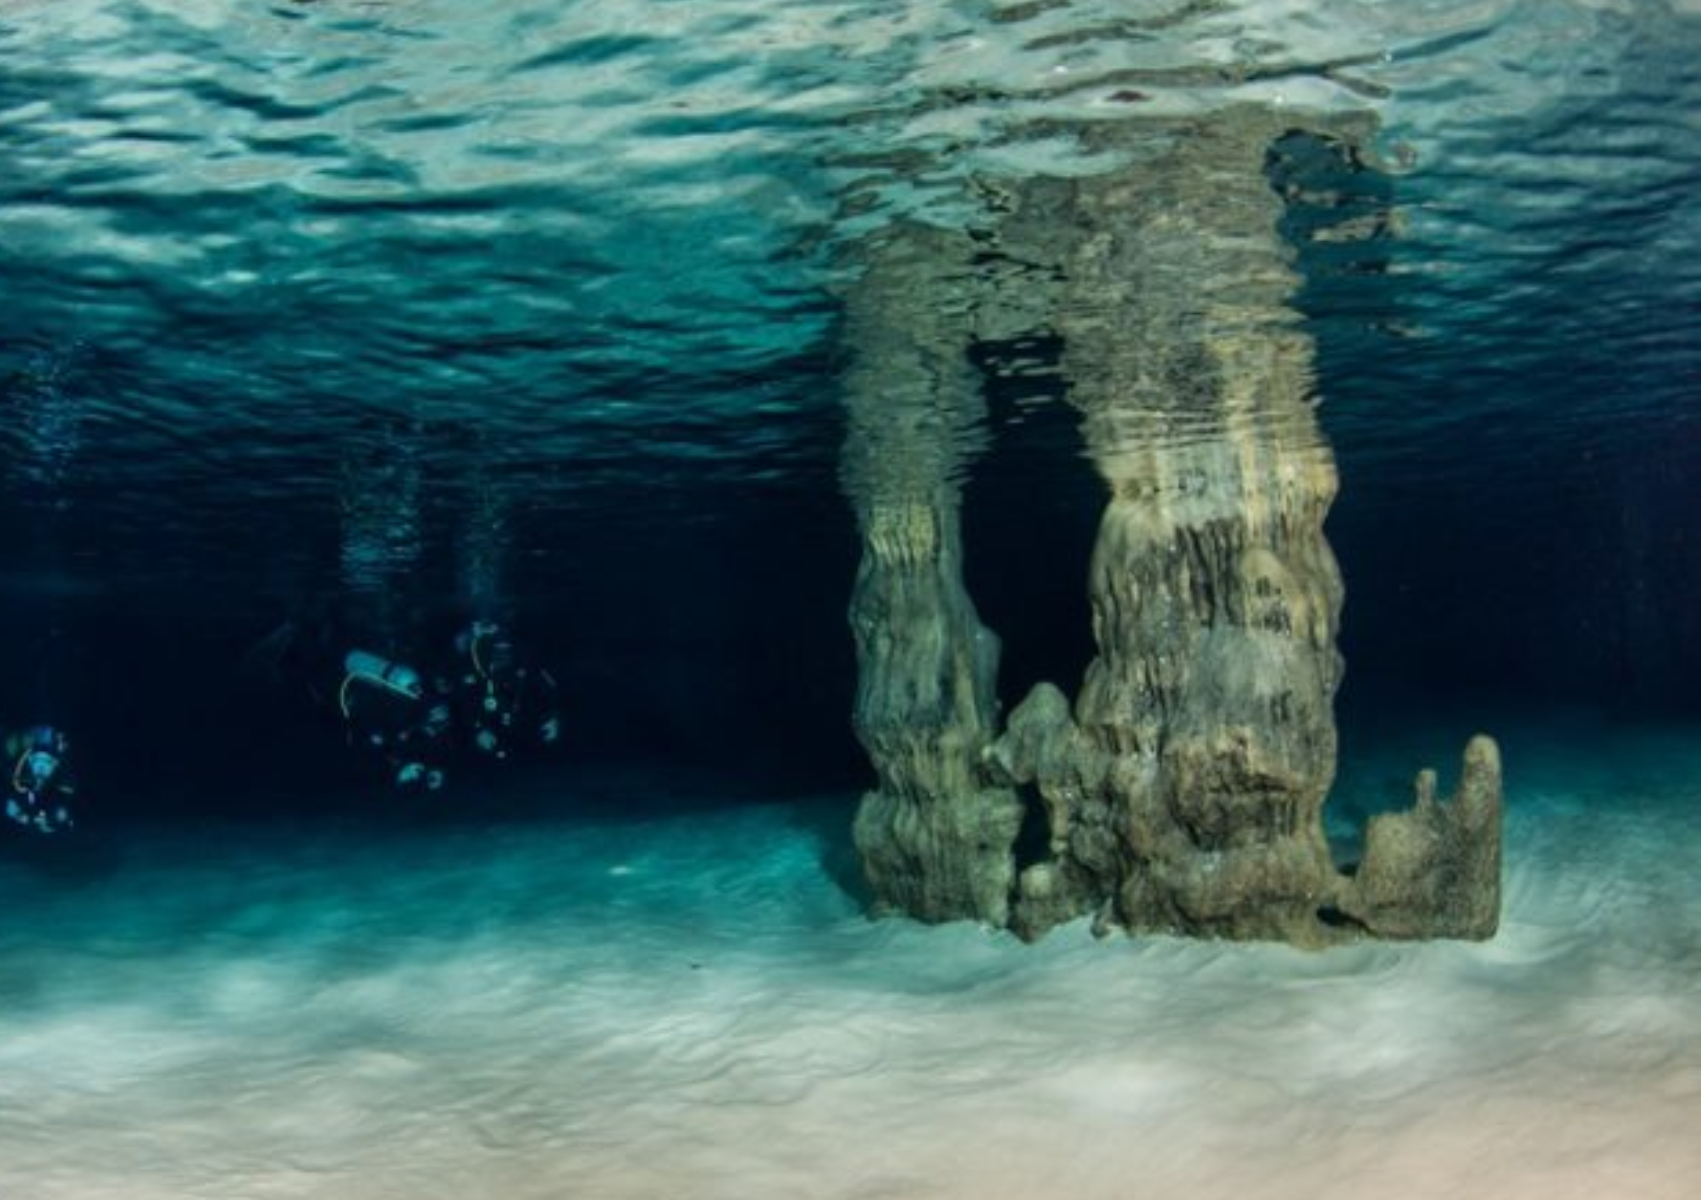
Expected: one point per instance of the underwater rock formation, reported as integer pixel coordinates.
(1182, 790)
(936, 835)
(1203, 734)
(1434, 871)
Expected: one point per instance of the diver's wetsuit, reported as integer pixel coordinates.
(39, 781)
(502, 702)
(389, 709)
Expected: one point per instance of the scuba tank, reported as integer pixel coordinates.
(38, 754)
(365, 667)
(40, 782)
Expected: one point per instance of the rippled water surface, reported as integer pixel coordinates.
(430, 300)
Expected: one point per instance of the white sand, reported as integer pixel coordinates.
(686, 1006)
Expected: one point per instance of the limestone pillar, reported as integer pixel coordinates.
(935, 837)
(1202, 744)
(1182, 789)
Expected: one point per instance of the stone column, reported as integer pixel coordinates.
(936, 838)
(1185, 793)
(1184, 788)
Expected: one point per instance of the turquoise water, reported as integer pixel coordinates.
(388, 310)
(362, 315)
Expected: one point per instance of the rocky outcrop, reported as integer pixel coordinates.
(1182, 789)
(1434, 871)
(1192, 771)
(935, 835)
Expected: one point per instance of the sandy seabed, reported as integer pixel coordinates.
(684, 1004)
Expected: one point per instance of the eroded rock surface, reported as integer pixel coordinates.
(1182, 788)
(935, 835)
(1434, 871)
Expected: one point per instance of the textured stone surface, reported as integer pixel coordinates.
(1434, 871)
(1182, 789)
(936, 840)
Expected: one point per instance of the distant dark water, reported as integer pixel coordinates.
(374, 313)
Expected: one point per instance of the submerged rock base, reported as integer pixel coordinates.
(1434, 871)
(1182, 789)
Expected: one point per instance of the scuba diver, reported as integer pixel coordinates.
(388, 707)
(503, 702)
(46, 419)
(489, 701)
(40, 783)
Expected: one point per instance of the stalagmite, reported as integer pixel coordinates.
(1434, 871)
(1182, 790)
(1184, 793)
(935, 836)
